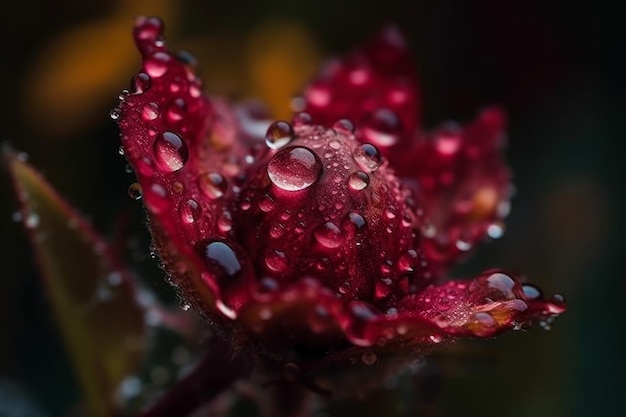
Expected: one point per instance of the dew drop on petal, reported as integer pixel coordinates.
(213, 185)
(170, 151)
(294, 169)
(156, 198)
(156, 65)
(358, 180)
(344, 126)
(150, 111)
(190, 211)
(134, 191)
(328, 235)
(367, 157)
(276, 261)
(279, 134)
(140, 83)
(383, 128)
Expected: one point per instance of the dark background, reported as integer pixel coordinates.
(556, 68)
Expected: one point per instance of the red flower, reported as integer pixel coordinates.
(326, 239)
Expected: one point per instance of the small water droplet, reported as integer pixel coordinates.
(495, 230)
(190, 211)
(140, 83)
(532, 292)
(329, 235)
(369, 358)
(463, 245)
(276, 261)
(156, 65)
(150, 111)
(383, 128)
(213, 185)
(115, 113)
(170, 151)
(344, 126)
(301, 119)
(156, 198)
(294, 169)
(176, 111)
(367, 157)
(279, 134)
(358, 180)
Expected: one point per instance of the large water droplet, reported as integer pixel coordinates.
(170, 151)
(279, 134)
(367, 157)
(329, 235)
(222, 256)
(358, 180)
(213, 185)
(294, 169)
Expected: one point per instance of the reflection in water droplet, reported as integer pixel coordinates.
(190, 211)
(383, 128)
(294, 169)
(140, 83)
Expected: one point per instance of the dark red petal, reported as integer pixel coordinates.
(489, 304)
(459, 178)
(325, 206)
(185, 151)
(375, 87)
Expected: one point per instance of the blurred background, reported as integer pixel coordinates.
(557, 69)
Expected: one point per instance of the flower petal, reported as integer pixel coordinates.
(187, 154)
(487, 305)
(375, 87)
(92, 295)
(459, 178)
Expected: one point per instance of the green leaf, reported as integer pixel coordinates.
(92, 295)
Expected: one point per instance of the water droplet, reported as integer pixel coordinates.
(225, 222)
(532, 292)
(495, 230)
(329, 235)
(367, 157)
(279, 134)
(156, 65)
(276, 261)
(383, 128)
(344, 126)
(213, 185)
(170, 151)
(150, 111)
(358, 180)
(190, 211)
(176, 111)
(134, 191)
(302, 119)
(369, 358)
(463, 245)
(267, 203)
(294, 169)
(115, 113)
(355, 221)
(140, 83)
